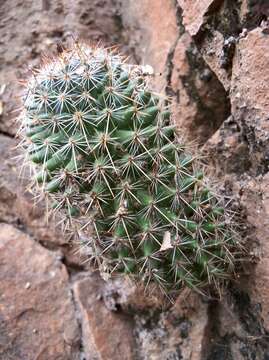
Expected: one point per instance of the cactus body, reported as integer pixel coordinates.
(105, 152)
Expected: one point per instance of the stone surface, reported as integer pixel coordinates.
(152, 34)
(106, 335)
(131, 297)
(228, 150)
(200, 104)
(250, 94)
(174, 334)
(194, 12)
(211, 49)
(256, 193)
(37, 312)
(240, 148)
(200, 100)
(239, 152)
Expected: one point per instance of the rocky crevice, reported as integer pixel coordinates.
(171, 53)
(187, 84)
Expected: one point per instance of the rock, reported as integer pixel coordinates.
(252, 12)
(200, 101)
(227, 150)
(151, 34)
(216, 36)
(255, 192)
(233, 325)
(239, 152)
(217, 24)
(37, 312)
(121, 292)
(175, 334)
(195, 11)
(211, 49)
(191, 308)
(250, 95)
(106, 334)
(201, 104)
(243, 139)
(88, 19)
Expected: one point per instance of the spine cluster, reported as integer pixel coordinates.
(103, 149)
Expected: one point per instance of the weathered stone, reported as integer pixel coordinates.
(242, 141)
(152, 34)
(201, 103)
(233, 325)
(250, 81)
(252, 12)
(217, 34)
(228, 151)
(37, 313)
(176, 334)
(131, 297)
(106, 334)
(250, 95)
(212, 51)
(191, 307)
(194, 12)
(255, 192)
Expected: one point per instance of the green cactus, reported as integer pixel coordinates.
(104, 151)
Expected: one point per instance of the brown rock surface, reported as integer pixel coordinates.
(250, 94)
(241, 148)
(212, 51)
(256, 193)
(37, 312)
(200, 104)
(106, 335)
(194, 12)
(152, 33)
(174, 334)
(200, 100)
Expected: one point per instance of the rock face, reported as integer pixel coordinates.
(102, 328)
(211, 58)
(151, 46)
(249, 94)
(194, 13)
(159, 38)
(37, 311)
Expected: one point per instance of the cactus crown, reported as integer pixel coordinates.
(105, 152)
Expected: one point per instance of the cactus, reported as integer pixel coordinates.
(104, 150)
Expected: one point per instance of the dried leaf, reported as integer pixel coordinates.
(166, 244)
(2, 89)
